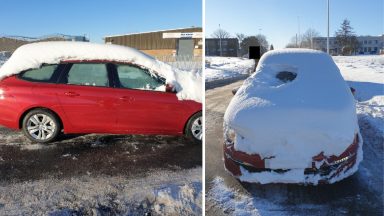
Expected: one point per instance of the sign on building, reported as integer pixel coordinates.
(183, 35)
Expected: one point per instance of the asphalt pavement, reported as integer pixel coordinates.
(93, 155)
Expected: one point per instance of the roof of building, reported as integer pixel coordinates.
(119, 35)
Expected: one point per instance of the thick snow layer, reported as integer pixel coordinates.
(218, 68)
(297, 176)
(290, 122)
(187, 84)
(159, 193)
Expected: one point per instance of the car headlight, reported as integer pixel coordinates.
(1, 94)
(230, 136)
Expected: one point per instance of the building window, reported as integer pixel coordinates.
(365, 42)
(376, 41)
(369, 42)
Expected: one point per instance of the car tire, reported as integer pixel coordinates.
(194, 128)
(41, 126)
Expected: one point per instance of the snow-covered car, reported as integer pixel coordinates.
(293, 121)
(76, 87)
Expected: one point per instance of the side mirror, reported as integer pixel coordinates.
(353, 90)
(234, 91)
(170, 88)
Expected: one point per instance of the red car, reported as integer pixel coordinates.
(95, 96)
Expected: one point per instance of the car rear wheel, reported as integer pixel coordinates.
(194, 128)
(41, 126)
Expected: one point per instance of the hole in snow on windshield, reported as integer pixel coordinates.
(286, 76)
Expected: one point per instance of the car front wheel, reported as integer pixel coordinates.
(194, 128)
(41, 126)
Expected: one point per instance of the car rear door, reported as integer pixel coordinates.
(143, 105)
(87, 99)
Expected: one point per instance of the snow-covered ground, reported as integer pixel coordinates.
(158, 193)
(3, 57)
(364, 190)
(218, 68)
(366, 75)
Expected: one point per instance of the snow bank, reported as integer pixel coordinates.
(218, 68)
(290, 122)
(187, 84)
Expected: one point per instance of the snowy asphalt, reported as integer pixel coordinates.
(361, 194)
(93, 155)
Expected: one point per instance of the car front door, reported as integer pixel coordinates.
(87, 99)
(143, 105)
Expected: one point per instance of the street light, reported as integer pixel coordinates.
(220, 35)
(328, 28)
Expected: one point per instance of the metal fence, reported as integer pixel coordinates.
(187, 63)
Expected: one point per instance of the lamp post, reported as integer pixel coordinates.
(328, 27)
(221, 52)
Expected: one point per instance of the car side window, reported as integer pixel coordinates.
(42, 74)
(138, 78)
(87, 74)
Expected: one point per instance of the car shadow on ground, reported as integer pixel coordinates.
(91, 154)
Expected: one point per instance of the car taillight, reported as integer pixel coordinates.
(353, 90)
(3, 92)
(169, 88)
(229, 136)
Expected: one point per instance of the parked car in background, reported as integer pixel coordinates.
(92, 88)
(293, 121)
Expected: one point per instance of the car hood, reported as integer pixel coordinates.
(290, 122)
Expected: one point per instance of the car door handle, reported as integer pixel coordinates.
(71, 94)
(127, 98)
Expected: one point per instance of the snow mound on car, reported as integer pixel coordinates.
(289, 122)
(30, 56)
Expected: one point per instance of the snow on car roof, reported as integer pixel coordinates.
(34, 55)
(292, 121)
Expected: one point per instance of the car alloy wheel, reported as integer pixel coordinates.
(41, 127)
(197, 128)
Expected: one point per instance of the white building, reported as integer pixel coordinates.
(367, 45)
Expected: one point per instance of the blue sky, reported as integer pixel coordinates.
(96, 18)
(278, 19)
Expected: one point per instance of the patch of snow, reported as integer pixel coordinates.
(4, 56)
(159, 193)
(187, 84)
(227, 67)
(364, 68)
(231, 201)
(234, 202)
(291, 122)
